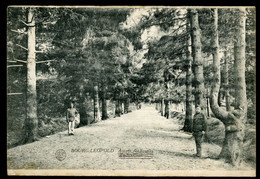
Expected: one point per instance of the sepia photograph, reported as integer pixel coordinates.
(131, 90)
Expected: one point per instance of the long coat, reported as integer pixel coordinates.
(199, 123)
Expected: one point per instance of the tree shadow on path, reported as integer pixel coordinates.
(190, 155)
(174, 134)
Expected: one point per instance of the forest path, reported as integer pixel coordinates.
(143, 129)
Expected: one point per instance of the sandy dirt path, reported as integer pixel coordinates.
(96, 147)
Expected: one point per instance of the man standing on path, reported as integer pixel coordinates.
(70, 116)
(199, 127)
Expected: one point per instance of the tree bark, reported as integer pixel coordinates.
(82, 107)
(96, 104)
(197, 59)
(219, 96)
(31, 122)
(126, 105)
(117, 108)
(188, 113)
(226, 88)
(121, 106)
(208, 108)
(239, 64)
(117, 104)
(162, 107)
(104, 102)
(166, 111)
(234, 120)
(156, 105)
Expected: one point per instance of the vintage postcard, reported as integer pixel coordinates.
(131, 91)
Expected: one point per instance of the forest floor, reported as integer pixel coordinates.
(97, 146)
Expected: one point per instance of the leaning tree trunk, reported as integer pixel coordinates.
(96, 104)
(31, 121)
(197, 59)
(234, 120)
(188, 114)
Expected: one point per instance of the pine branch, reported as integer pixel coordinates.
(179, 74)
(26, 24)
(13, 93)
(159, 24)
(18, 31)
(155, 24)
(14, 66)
(75, 13)
(44, 19)
(180, 27)
(11, 61)
(20, 20)
(138, 52)
(22, 47)
(45, 61)
(23, 61)
(39, 51)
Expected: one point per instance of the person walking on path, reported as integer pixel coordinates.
(198, 129)
(70, 117)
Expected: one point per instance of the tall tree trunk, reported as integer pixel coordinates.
(219, 95)
(198, 64)
(117, 108)
(208, 107)
(156, 105)
(167, 104)
(96, 104)
(117, 104)
(126, 105)
(197, 59)
(162, 107)
(233, 120)
(188, 113)
(239, 66)
(82, 107)
(226, 88)
(83, 112)
(166, 111)
(169, 109)
(121, 106)
(104, 102)
(31, 122)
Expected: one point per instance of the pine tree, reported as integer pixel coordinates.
(234, 120)
(197, 59)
